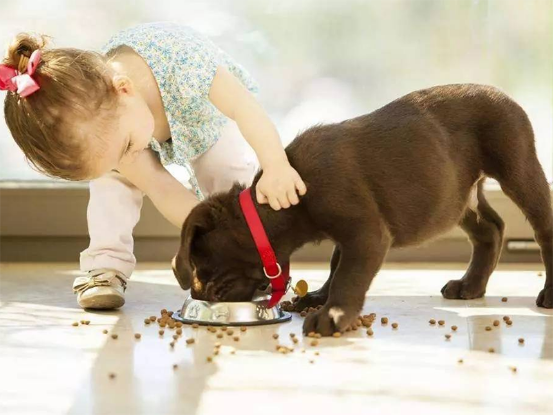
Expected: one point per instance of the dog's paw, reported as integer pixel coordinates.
(460, 290)
(545, 298)
(312, 299)
(328, 320)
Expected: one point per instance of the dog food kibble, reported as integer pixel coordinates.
(496, 323)
(175, 366)
(105, 331)
(179, 331)
(224, 328)
(318, 335)
(509, 322)
(504, 299)
(303, 314)
(175, 336)
(540, 274)
(152, 318)
(275, 336)
(448, 336)
(488, 328)
(169, 313)
(114, 336)
(209, 359)
(147, 321)
(162, 324)
(295, 340)
(460, 361)
(137, 335)
(243, 328)
(491, 350)
(75, 324)
(506, 318)
(513, 369)
(454, 328)
(384, 320)
(354, 327)
(521, 341)
(317, 353)
(172, 344)
(86, 322)
(292, 335)
(230, 332)
(159, 320)
(112, 375)
(233, 352)
(163, 311)
(395, 325)
(195, 325)
(314, 342)
(190, 341)
(336, 334)
(178, 324)
(311, 334)
(432, 321)
(217, 345)
(171, 325)
(161, 332)
(236, 338)
(441, 322)
(370, 332)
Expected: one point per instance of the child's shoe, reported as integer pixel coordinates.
(101, 289)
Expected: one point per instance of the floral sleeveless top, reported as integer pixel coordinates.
(184, 64)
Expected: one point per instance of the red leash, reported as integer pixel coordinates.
(278, 276)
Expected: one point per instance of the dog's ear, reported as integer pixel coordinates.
(196, 223)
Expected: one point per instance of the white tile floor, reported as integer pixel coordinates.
(49, 367)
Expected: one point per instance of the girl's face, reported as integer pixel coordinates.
(129, 132)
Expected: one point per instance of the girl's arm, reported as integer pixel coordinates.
(170, 197)
(280, 181)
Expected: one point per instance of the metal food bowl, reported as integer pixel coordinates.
(251, 313)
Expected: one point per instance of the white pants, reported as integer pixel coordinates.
(115, 203)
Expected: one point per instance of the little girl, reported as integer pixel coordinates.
(159, 94)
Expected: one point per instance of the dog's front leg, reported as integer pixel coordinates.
(360, 260)
(318, 297)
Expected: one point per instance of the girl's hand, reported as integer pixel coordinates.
(278, 185)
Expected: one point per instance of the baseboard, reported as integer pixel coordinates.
(67, 249)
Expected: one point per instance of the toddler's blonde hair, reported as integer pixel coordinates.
(74, 88)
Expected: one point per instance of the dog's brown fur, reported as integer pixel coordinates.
(396, 177)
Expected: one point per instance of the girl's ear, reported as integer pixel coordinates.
(122, 84)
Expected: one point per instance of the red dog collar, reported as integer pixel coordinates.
(278, 276)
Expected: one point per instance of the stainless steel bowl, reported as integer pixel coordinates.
(252, 313)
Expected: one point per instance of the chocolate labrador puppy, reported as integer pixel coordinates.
(396, 177)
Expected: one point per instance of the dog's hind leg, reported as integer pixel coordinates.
(485, 229)
(531, 193)
(319, 297)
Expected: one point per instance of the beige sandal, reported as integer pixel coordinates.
(101, 289)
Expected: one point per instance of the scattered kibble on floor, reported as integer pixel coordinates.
(114, 336)
(441, 322)
(112, 375)
(432, 321)
(337, 334)
(275, 336)
(454, 328)
(448, 336)
(190, 341)
(504, 299)
(395, 325)
(384, 320)
(75, 324)
(137, 335)
(488, 328)
(496, 323)
(521, 341)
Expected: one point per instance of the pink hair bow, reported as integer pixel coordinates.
(24, 84)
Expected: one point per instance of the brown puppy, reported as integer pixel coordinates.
(401, 175)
